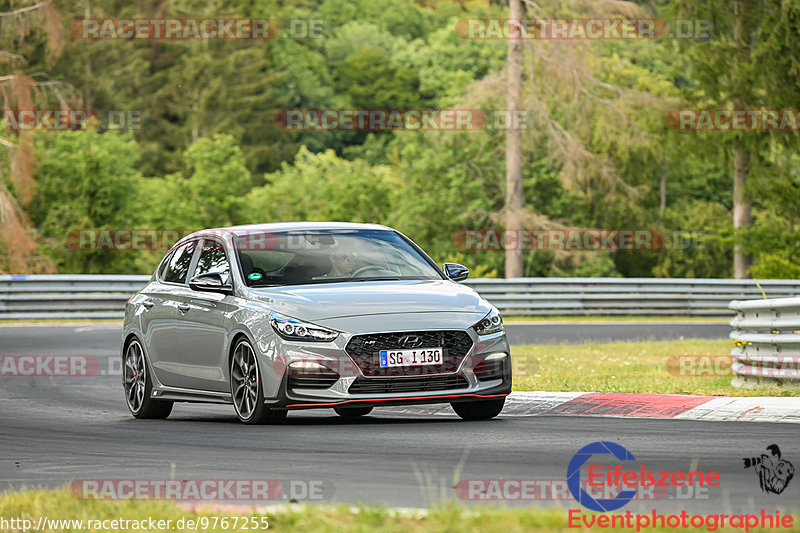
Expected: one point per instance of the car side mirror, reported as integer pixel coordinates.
(455, 271)
(210, 282)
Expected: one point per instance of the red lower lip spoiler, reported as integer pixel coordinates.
(330, 404)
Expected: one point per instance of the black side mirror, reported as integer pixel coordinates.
(210, 282)
(455, 271)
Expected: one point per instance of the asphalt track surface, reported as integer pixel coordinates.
(57, 430)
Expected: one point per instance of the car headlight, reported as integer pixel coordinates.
(293, 329)
(491, 323)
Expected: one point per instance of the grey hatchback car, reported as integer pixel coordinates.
(275, 317)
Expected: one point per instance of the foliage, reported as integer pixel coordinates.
(86, 180)
(208, 153)
(208, 193)
(321, 187)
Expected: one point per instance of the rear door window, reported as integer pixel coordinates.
(178, 265)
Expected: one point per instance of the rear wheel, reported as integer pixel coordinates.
(352, 412)
(246, 391)
(138, 385)
(479, 409)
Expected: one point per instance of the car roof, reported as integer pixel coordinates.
(288, 226)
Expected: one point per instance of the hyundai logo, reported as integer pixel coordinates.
(409, 341)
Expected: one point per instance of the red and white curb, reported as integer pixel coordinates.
(634, 405)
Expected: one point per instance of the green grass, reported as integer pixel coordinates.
(625, 367)
(446, 518)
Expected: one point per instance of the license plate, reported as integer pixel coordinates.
(423, 356)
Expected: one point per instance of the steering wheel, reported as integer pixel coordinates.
(367, 268)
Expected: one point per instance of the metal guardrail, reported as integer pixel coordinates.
(66, 296)
(767, 337)
(625, 296)
(104, 296)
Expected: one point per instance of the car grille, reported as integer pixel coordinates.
(363, 349)
(406, 385)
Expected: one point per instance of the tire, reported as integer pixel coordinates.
(138, 386)
(247, 393)
(352, 412)
(479, 409)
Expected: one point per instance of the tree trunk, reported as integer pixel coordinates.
(514, 199)
(662, 193)
(742, 215)
(742, 209)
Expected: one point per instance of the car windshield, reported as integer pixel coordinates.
(328, 256)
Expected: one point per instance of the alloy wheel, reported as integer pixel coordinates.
(135, 376)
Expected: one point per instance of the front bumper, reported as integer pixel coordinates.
(287, 401)
(473, 378)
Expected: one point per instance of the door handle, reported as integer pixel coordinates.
(148, 304)
(183, 308)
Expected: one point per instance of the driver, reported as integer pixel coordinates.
(342, 261)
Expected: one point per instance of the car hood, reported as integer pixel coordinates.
(341, 300)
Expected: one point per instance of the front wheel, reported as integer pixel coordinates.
(352, 412)
(138, 386)
(479, 409)
(246, 391)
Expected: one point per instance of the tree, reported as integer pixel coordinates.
(26, 30)
(209, 192)
(322, 187)
(514, 196)
(86, 180)
(751, 63)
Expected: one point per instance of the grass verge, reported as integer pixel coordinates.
(59, 504)
(628, 367)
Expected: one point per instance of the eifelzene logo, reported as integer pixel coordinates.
(617, 476)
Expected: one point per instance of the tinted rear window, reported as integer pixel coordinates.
(178, 265)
